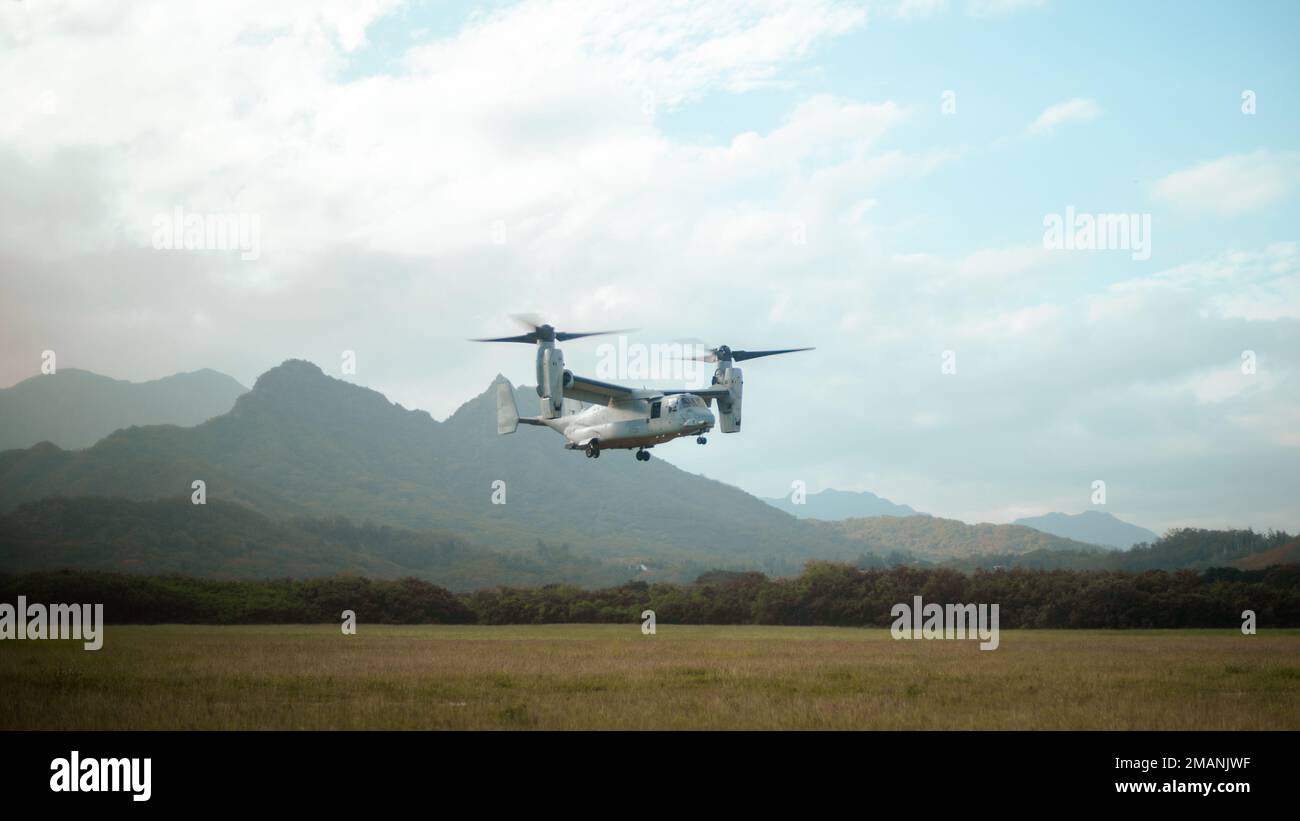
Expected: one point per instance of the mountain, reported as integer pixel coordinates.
(302, 444)
(831, 505)
(933, 539)
(75, 409)
(1091, 526)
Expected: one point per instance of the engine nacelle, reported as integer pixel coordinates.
(551, 379)
(729, 406)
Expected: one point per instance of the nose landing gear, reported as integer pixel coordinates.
(700, 440)
(643, 455)
(593, 451)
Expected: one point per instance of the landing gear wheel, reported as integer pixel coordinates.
(643, 456)
(700, 440)
(593, 452)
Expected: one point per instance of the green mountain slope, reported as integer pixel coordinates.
(1179, 549)
(222, 540)
(933, 539)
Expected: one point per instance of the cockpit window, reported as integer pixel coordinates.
(681, 402)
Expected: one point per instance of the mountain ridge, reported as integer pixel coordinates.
(933, 538)
(1091, 526)
(75, 408)
(832, 505)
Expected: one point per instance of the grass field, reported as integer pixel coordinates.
(612, 677)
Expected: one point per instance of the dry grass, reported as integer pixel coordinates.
(612, 677)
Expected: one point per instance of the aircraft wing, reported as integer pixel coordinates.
(600, 393)
(596, 392)
(704, 393)
(707, 394)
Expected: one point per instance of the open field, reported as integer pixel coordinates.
(612, 677)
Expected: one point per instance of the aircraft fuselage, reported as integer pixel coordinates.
(635, 424)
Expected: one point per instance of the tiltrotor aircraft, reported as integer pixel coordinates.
(619, 417)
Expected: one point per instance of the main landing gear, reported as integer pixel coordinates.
(593, 451)
(700, 440)
(643, 455)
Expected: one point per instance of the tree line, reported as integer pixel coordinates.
(825, 593)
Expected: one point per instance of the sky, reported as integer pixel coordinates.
(907, 186)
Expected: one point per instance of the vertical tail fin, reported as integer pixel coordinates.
(507, 412)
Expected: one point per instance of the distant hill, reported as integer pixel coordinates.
(832, 505)
(75, 409)
(933, 539)
(1179, 549)
(1091, 526)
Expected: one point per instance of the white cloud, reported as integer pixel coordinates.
(1035, 321)
(1233, 184)
(1259, 285)
(1226, 382)
(912, 9)
(532, 117)
(1279, 424)
(993, 8)
(1005, 263)
(923, 9)
(1077, 110)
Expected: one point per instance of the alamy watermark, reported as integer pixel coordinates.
(1098, 232)
(676, 361)
(181, 231)
(77, 774)
(953, 621)
(82, 622)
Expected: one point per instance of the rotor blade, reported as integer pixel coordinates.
(561, 336)
(697, 344)
(711, 356)
(529, 338)
(531, 321)
(741, 356)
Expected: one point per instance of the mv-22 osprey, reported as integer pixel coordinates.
(620, 417)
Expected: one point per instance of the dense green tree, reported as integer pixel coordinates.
(824, 594)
